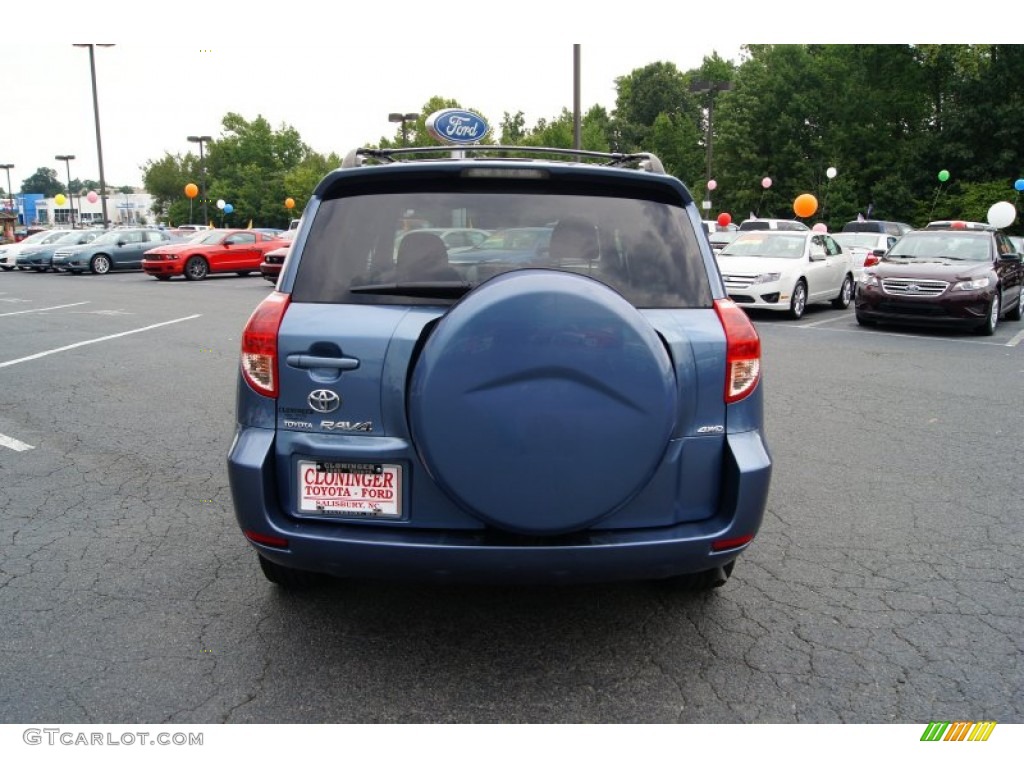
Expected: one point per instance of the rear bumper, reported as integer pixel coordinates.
(483, 556)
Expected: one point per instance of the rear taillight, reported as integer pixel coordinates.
(743, 351)
(267, 540)
(259, 344)
(723, 544)
(870, 260)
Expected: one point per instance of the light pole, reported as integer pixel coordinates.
(71, 198)
(201, 140)
(577, 141)
(403, 118)
(96, 113)
(710, 87)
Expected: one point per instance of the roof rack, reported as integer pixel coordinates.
(959, 224)
(644, 160)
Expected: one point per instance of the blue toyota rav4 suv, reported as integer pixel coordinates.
(593, 415)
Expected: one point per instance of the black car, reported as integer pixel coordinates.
(952, 273)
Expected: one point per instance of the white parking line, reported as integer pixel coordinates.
(1016, 339)
(822, 322)
(43, 309)
(882, 334)
(14, 445)
(95, 341)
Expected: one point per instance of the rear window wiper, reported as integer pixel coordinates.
(447, 289)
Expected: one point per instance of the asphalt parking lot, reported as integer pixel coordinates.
(884, 586)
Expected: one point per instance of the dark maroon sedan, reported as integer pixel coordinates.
(952, 273)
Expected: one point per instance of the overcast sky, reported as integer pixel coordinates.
(334, 75)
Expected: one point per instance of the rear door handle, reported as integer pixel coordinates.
(315, 361)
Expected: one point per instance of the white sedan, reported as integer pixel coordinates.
(862, 246)
(785, 271)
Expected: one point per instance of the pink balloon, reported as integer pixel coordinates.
(92, 197)
(766, 182)
(819, 227)
(712, 184)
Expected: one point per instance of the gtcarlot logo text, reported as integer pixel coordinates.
(58, 736)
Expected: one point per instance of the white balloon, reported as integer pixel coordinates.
(831, 173)
(1002, 214)
(221, 204)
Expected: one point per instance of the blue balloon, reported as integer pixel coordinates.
(1019, 185)
(228, 207)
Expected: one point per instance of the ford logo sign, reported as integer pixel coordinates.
(457, 126)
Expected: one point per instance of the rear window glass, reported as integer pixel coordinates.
(360, 249)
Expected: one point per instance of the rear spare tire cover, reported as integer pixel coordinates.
(542, 402)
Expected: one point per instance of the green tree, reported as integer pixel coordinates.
(675, 141)
(246, 167)
(645, 93)
(165, 180)
(44, 181)
(513, 128)
(300, 182)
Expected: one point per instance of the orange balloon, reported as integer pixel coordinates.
(805, 205)
(191, 190)
(289, 203)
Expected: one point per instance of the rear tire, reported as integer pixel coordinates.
(288, 578)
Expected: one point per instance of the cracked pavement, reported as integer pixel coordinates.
(884, 586)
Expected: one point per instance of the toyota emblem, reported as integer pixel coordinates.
(324, 400)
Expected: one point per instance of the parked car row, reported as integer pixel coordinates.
(949, 274)
(161, 253)
(952, 273)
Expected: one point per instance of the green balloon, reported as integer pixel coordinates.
(943, 175)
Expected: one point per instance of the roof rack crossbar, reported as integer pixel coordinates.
(617, 159)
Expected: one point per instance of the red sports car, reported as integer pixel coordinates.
(274, 260)
(221, 250)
